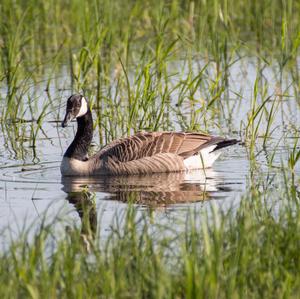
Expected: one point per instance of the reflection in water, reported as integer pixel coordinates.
(151, 190)
(85, 205)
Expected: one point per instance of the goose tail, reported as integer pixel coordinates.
(225, 143)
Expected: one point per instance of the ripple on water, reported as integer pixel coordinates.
(45, 173)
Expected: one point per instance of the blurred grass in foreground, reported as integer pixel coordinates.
(252, 251)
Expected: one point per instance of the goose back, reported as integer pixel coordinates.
(151, 152)
(148, 144)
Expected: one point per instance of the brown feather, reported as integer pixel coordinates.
(145, 153)
(148, 144)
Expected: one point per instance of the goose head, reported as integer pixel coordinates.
(77, 106)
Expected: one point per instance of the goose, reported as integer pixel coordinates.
(142, 153)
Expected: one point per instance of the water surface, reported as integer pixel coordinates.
(31, 182)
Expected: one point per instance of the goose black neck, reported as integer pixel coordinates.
(78, 149)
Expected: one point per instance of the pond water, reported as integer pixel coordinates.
(31, 183)
(31, 190)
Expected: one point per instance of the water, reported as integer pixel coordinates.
(28, 191)
(31, 183)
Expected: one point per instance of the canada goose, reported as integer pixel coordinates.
(143, 153)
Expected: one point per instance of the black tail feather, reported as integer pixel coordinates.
(225, 143)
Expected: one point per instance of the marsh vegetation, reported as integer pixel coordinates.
(225, 67)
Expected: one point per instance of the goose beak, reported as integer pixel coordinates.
(67, 119)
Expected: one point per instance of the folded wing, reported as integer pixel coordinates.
(147, 144)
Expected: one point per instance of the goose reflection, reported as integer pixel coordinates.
(151, 190)
(156, 190)
(84, 204)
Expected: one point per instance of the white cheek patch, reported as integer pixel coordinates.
(84, 107)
